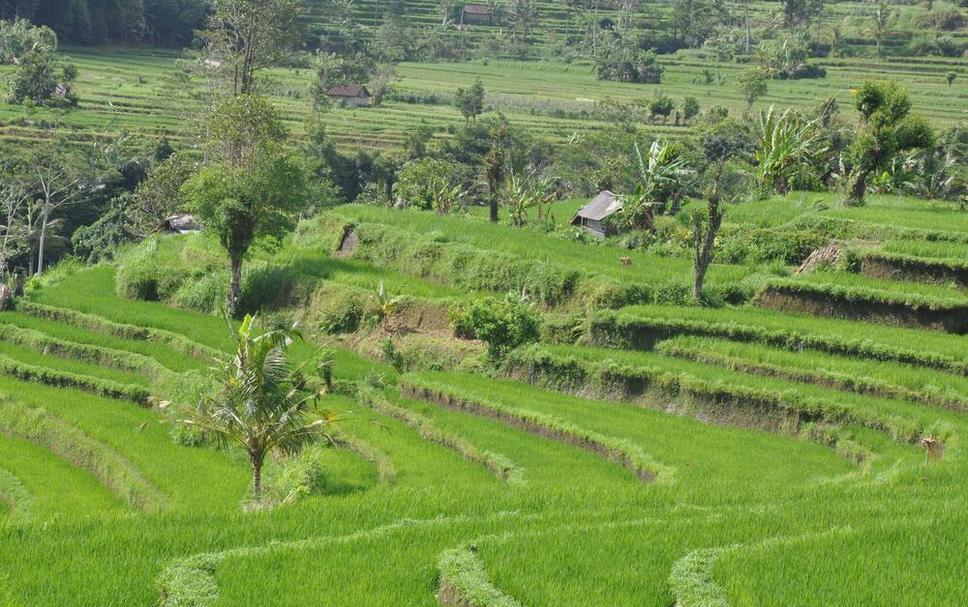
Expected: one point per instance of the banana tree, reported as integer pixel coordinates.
(787, 144)
(662, 172)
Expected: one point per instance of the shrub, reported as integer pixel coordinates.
(338, 310)
(502, 324)
(419, 180)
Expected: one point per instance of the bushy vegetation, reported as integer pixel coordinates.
(321, 287)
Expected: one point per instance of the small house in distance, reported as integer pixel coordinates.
(592, 216)
(352, 95)
(476, 14)
(180, 223)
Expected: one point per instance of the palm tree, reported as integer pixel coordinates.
(264, 402)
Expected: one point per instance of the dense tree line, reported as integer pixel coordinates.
(164, 22)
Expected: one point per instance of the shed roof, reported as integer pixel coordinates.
(477, 9)
(601, 206)
(349, 90)
(181, 223)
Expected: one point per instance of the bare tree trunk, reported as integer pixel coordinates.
(858, 187)
(235, 286)
(749, 34)
(705, 242)
(42, 242)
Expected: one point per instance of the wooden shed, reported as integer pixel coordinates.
(592, 216)
(353, 95)
(476, 14)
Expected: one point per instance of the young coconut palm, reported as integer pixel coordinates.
(264, 402)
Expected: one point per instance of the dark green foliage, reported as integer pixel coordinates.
(502, 324)
(40, 77)
(622, 60)
(661, 107)
(470, 102)
(690, 108)
(887, 127)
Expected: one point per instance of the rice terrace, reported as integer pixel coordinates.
(503, 303)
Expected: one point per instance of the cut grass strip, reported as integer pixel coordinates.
(125, 331)
(499, 465)
(465, 583)
(64, 379)
(87, 353)
(890, 380)
(15, 496)
(899, 266)
(70, 334)
(641, 327)
(712, 393)
(620, 451)
(113, 470)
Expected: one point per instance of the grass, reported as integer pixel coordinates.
(953, 253)
(135, 92)
(847, 373)
(803, 330)
(169, 357)
(32, 357)
(755, 516)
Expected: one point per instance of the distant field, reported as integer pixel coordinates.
(134, 92)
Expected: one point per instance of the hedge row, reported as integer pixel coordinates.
(111, 468)
(64, 379)
(98, 324)
(499, 465)
(386, 471)
(862, 303)
(98, 355)
(463, 582)
(619, 329)
(783, 410)
(882, 264)
(822, 377)
(619, 451)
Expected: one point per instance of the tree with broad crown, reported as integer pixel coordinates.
(470, 102)
(256, 190)
(886, 128)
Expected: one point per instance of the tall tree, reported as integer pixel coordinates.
(59, 181)
(883, 18)
(264, 402)
(255, 190)
(886, 127)
(14, 198)
(244, 36)
(705, 229)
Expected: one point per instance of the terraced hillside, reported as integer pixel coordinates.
(137, 94)
(648, 454)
